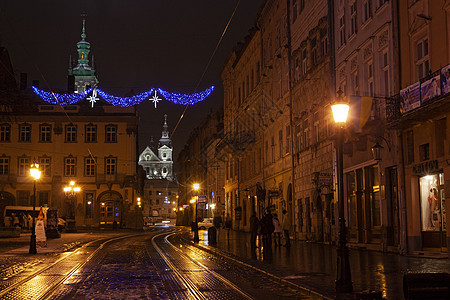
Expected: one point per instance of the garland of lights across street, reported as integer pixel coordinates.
(67, 99)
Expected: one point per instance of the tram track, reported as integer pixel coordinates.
(217, 283)
(20, 289)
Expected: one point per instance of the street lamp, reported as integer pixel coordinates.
(343, 277)
(71, 190)
(196, 187)
(36, 174)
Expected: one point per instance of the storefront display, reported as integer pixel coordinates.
(432, 201)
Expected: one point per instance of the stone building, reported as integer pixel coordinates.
(93, 145)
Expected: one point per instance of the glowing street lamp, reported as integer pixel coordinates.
(343, 277)
(71, 190)
(36, 174)
(196, 187)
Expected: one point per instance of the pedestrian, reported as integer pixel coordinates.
(16, 220)
(286, 227)
(267, 229)
(228, 225)
(277, 230)
(254, 224)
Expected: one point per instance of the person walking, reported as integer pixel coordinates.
(254, 224)
(228, 225)
(267, 229)
(277, 230)
(286, 227)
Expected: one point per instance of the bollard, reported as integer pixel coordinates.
(212, 235)
(426, 286)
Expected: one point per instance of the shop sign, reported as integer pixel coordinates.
(427, 167)
(322, 179)
(202, 199)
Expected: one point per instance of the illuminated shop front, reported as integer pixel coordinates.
(432, 209)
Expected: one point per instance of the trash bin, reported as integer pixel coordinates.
(426, 286)
(212, 235)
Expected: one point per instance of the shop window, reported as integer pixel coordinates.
(432, 201)
(373, 188)
(424, 152)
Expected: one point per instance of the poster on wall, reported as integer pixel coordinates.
(430, 88)
(445, 80)
(410, 97)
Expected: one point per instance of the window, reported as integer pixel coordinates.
(24, 165)
(304, 62)
(342, 30)
(25, 132)
(89, 166)
(90, 133)
(294, 10)
(23, 197)
(288, 139)
(302, 6)
(71, 133)
(70, 164)
(45, 133)
(370, 78)
(111, 134)
(5, 133)
(314, 57)
(424, 152)
(267, 152)
(43, 197)
(423, 59)
(44, 165)
(4, 165)
(367, 7)
(273, 150)
(355, 82)
(316, 132)
(353, 19)
(324, 46)
(280, 143)
(386, 73)
(110, 165)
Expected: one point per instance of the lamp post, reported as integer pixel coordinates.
(36, 174)
(196, 187)
(71, 190)
(343, 277)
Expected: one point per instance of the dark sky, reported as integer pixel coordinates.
(137, 44)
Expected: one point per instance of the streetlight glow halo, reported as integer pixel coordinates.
(340, 112)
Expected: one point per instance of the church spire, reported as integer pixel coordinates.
(165, 140)
(85, 75)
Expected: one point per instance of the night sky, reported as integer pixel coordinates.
(137, 45)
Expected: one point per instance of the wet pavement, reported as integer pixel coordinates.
(307, 264)
(313, 265)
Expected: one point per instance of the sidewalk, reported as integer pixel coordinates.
(67, 241)
(313, 265)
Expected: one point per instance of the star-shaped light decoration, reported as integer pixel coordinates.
(155, 99)
(93, 98)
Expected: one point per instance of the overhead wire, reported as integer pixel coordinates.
(207, 65)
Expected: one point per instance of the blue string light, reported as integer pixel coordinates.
(177, 98)
(56, 98)
(124, 101)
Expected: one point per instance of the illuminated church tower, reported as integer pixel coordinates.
(82, 76)
(159, 166)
